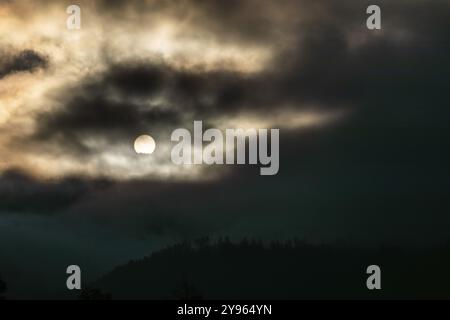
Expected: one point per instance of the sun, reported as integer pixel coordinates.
(144, 144)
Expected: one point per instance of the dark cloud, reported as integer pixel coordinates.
(131, 97)
(21, 192)
(24, 61)
(112, 105)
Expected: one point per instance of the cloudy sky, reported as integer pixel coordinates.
(363, 118)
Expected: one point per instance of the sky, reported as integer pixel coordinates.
(363, 119)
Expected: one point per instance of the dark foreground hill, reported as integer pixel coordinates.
(289, 270)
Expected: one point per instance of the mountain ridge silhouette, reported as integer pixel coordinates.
(290, 269)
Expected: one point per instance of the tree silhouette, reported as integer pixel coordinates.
(186, 291)
(2, 288)
(94, 294)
